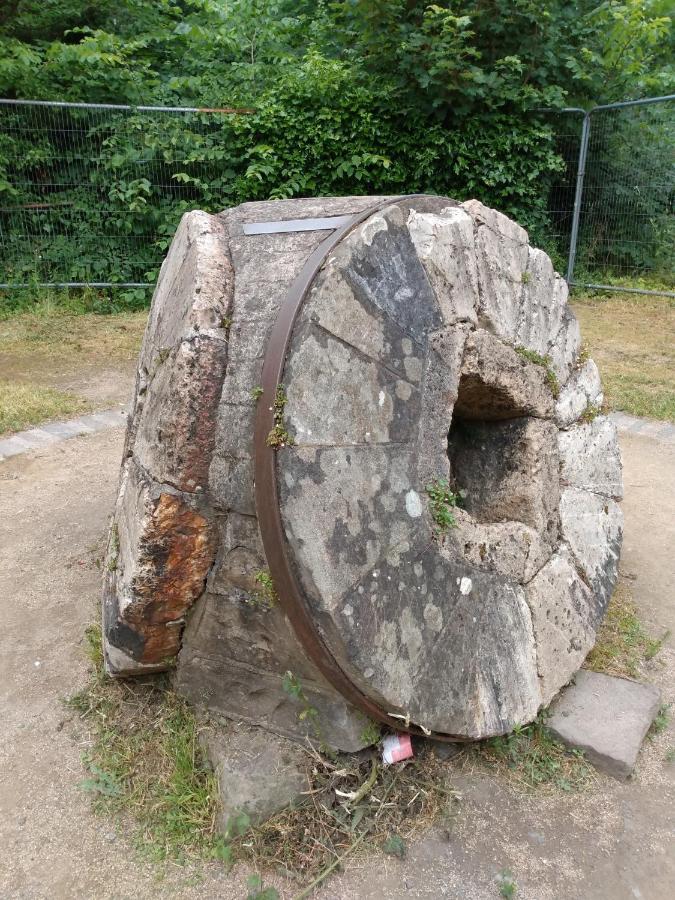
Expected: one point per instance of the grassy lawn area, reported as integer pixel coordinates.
(25, 405)
(632, 339)
(55, 363)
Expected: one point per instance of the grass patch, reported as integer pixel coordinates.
(145, 762)
(632, 339)
(622, 645)
(75, 301)
(531, 757)
(145, 766)
(49, 332)
(354, 805)
(25, 405)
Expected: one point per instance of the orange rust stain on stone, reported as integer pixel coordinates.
(176, 553)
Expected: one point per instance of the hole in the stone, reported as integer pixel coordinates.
(493, 450)
(486, 402)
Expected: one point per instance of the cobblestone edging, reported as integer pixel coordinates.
(54, 432)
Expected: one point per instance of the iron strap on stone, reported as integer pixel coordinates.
(266, 486)
(288, 226)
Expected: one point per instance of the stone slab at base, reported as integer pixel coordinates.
(607, 718)
(259, 773)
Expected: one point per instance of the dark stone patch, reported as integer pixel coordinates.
(389, 273)
(427, 635)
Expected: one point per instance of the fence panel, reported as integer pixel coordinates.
(567, 126)
(626, 225)
(92, 193)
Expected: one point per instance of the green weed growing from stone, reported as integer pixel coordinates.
(442, 501)
(545, 363)
(507, 884)
(371, 733)
(661, 721)
(257, 392)
(265, 594)
(591, 413)
(278, 436)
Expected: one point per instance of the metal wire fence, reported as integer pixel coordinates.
(90, 194)
(612, 210)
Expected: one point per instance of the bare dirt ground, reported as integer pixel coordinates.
(611, 841)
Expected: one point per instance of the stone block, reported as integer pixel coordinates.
(258, 774)
(607, 718)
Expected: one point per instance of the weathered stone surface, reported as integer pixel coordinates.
(162, 541)
(175, 434)
(510, 548)
(498, 383)
(236, 652)
(501, 259)
(160, 550)
(564, 348)
(542, 303)
(383, 407)
(258, 775)
(508, 471)
(607, 718)
(379, 263)
(191, 300)
(396, 648)
(445, 245)
(344, 508)
(590, 458)
(565, 614)
(405, 375)
(440, 384)
(592, 525)
(583, 390)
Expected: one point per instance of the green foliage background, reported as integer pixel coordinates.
(349, 96)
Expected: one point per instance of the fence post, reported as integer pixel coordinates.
(578, 194)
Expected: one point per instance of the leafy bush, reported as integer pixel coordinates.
(350, 96)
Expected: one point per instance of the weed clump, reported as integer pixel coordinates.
(265, 594)
(545, 363)
(531, 757)
(442, 501)
(279, 436)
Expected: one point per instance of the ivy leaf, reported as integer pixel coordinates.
(394, 846)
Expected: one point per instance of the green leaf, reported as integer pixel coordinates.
(395, 846)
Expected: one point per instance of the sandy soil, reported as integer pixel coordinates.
(612, 841)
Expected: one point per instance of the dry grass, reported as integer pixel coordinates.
(50, 334)
(45, 353)
(632, 339)
(25, 405)
(403, 801)
(146, 766)
(623, 645)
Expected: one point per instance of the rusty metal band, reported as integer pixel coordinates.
(289, 591)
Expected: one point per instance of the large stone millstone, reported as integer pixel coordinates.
(415, 357)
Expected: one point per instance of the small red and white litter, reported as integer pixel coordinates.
(395, 748)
